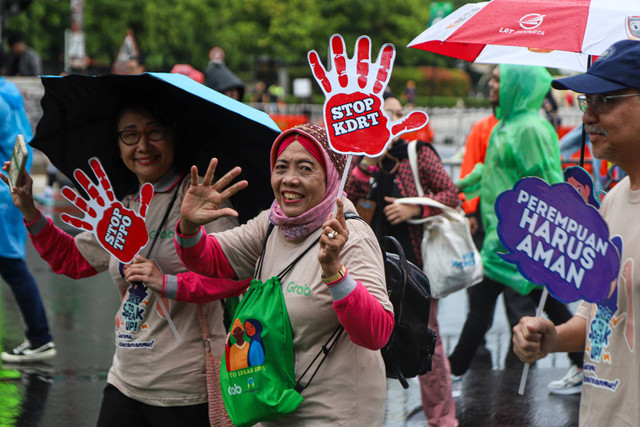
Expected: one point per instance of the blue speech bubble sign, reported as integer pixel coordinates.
(557, 240)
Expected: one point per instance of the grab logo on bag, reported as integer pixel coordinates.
(235, 390)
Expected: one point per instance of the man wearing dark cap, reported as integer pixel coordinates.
(605, 331)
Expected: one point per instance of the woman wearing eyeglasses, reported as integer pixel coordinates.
(158, 375)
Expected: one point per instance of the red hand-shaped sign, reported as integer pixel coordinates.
(117, 232)
(121, 231)
(355, 120)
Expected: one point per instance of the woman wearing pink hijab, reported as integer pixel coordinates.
(340, 282)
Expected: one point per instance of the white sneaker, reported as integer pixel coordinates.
(25, 353)
(571, 383)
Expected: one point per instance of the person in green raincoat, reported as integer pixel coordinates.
(522, 144)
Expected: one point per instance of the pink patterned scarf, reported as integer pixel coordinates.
(306, 223)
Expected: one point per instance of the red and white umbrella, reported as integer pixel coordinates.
(551, 33)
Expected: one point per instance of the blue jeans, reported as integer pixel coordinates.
(25, 290)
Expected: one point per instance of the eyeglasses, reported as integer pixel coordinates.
(132, 137)
(599, 102)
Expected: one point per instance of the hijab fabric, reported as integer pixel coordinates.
(299, 227)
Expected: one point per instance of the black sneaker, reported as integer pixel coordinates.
(25, 353)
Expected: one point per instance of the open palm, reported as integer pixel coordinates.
(202, 202)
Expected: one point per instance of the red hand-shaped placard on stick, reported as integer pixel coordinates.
(353, 109)
(120, 231)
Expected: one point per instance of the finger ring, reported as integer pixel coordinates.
(333, 234)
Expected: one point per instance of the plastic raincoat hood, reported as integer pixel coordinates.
(218, 77)
(522, 144)
(13, 120)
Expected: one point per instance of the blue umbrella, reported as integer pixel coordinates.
(78, 123)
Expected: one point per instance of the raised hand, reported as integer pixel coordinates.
(353, 114)
(202, 202)
(121, 231)
(333, 238)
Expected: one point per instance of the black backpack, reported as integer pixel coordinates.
(410, 348)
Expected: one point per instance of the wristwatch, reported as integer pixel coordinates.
(339, 275)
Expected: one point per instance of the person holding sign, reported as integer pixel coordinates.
(522, 144)
(39, 344)
(604, 329)
(339, 280)
(158, 372)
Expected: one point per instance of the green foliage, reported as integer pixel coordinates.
(432, 81)
(105, 26)
(477, 103)
(401, 75)
(43, 27)
(176, 32)
(256, 34)
(183, 31)
(396, 22)
(440, 87)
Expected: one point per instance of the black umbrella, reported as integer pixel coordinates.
(78, 123)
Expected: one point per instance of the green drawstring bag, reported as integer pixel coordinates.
(229, 306)
(257, 376)
(257, 373)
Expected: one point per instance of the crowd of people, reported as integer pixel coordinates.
(304, 242)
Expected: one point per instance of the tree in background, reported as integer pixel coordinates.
(182, 31)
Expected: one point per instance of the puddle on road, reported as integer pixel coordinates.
(25, 395)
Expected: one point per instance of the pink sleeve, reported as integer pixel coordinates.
(364, 318)
(202, 254)
(192, 287)
(59, 249)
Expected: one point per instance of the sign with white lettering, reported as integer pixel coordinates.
(353, 110)
(119, 230)
(557, 240)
